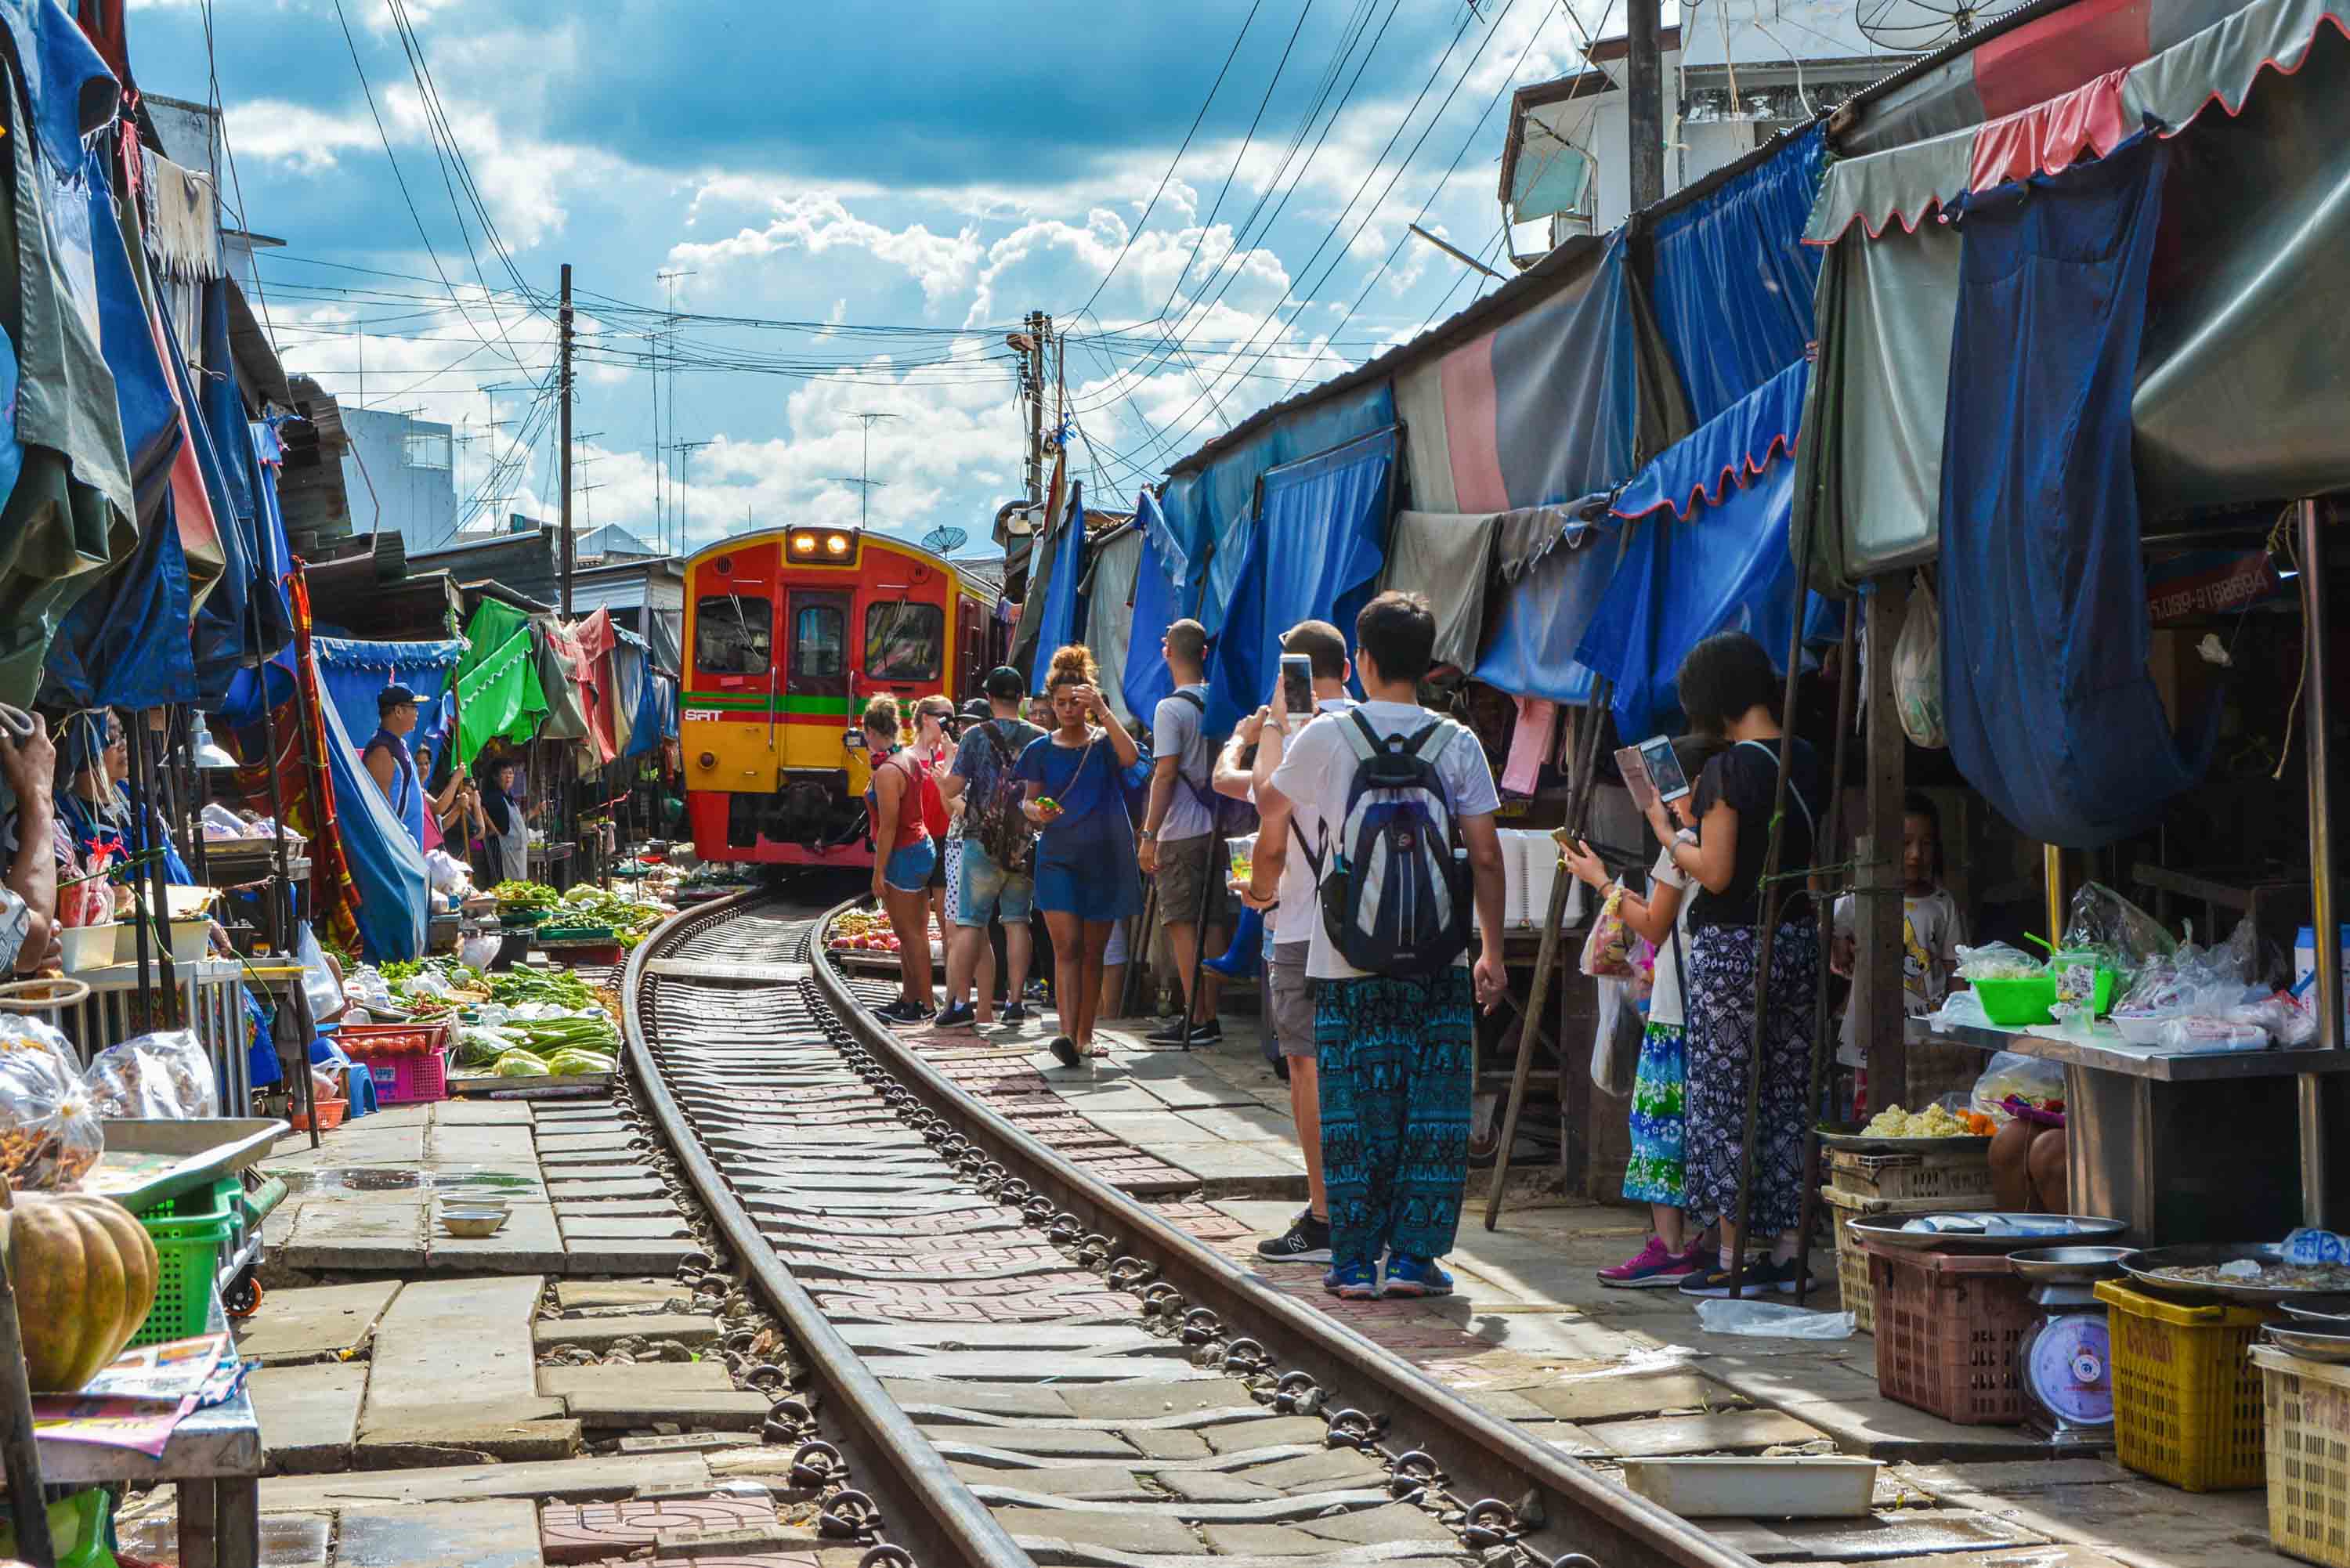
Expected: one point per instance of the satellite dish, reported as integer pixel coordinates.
(944, 541)
(1919, 27)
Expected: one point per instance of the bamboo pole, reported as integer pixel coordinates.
(1822, 1032)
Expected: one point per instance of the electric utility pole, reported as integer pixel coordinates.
(1643, 101)
(563, 323)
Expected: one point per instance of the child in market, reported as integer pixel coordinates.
(1654, 1174)
(1932, 932)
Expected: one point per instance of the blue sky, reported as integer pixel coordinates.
(934, 170)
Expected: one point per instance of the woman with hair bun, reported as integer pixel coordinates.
(1086, 880)
(903, 854)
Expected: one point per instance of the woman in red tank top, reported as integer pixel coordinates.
(903, 856)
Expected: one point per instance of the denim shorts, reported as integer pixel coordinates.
(908, 869)
(990, 890)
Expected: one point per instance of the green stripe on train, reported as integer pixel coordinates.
(760, 702)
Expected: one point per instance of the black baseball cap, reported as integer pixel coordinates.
(1006, 684)
(977, 708)
(393, 697)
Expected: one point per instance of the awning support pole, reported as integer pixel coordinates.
(1824, 1027)
(2316, 705)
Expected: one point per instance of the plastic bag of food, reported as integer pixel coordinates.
(519, 1065)
(1607, 951)
(2102, 919)
(2287, 1021)
(318, 985)
(2013, 1075)
(49, 1131)
(1997, 961)
(164, 1078)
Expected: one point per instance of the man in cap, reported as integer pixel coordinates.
(983, 762)
(387, 762)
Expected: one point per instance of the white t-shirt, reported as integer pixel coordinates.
(1318, 768)
(1665, 995)
(1175, 733)
(1301, 905)
(1931, 931)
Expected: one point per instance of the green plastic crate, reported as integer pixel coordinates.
(187, 1260)
(223, 1194)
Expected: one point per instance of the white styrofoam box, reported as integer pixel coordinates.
(1813, 1486)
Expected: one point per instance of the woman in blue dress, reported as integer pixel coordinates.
(1086, 880)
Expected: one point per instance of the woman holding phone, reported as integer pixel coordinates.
(1654, 1174)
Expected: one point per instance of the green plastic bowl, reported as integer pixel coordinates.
(2015, 1003)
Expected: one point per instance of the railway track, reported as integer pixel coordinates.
(1008, 1361)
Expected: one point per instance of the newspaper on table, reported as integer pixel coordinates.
(140, 1400)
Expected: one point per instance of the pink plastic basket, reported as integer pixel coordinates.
(411, 1078)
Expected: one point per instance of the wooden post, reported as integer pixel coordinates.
(1878, 1006)
(1825, 852)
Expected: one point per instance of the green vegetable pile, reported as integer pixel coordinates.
(559, 987)
(526, 895)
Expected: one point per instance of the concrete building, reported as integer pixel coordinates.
(399, 472)
(1737, 73)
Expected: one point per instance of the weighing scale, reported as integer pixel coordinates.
(2066, 1360)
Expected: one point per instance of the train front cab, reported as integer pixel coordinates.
(771, 776)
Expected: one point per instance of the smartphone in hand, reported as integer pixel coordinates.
(1297, 683)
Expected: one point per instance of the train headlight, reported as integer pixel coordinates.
(802, 544)
(836, 544)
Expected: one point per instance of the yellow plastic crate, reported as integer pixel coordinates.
(2308, 1410)
(2187, 1406)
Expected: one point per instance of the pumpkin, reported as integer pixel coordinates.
(83, 1274)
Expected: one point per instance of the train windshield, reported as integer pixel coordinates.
(732, 635)
(816, 639)
(904, 642)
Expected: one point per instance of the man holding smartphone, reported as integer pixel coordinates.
(1319, 647)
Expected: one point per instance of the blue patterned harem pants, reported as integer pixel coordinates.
(1395, 1062)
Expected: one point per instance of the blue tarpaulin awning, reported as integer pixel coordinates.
(1708, 553)
(1543, 614)
(1733, 279)
(351, 673)
(1158, 604)
(1314, 555)
(1059, 613)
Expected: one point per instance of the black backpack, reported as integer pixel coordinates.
(1232, 817)
(997, 825)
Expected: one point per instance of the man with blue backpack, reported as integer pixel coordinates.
(1392, 807)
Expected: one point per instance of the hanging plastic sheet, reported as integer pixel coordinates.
(628, 664)
(2051, 711)
(1555, 402)
(1316, 556)
(498, 697)
(224, 627)
(1540, 619)
(1060, 611)
(1734, 280)
(558, 680)
(1109, 610)
(592, 666)
(1158, 604)
(1708, 553)
(1210, 510)
(353, 673)
(1449, 556)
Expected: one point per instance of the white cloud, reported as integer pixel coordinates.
(819, 223)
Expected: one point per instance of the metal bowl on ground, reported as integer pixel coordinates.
(1886, 1230)
(2068, 1266)
(2334, 1349)
(473, 1222)
(2327, 1315)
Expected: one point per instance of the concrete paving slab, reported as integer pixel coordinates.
(1608, 1399)
(729, 1410)
(573, 1481)
(1194, 1093)
(1883, 1428)
(1093, 1483)
(639, 1380)
(577, 1227)
(622, 1257)
(689, 1329)
(1035, 1442)
(529, 1243)
(1250, 1123)
(1126, 1403)
(1128, 1532)
(482, 1113)
(1033, 1401)
(383, 1232)
(575, 1293)
(1742, 1432)
(639, 1207)
(309, 1415)
(455, 1354)
(494, 1144)
(1272, 1432)
(500, 1533)
(311, 1324)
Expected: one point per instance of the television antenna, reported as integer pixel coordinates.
(865, 488)
(945, 540)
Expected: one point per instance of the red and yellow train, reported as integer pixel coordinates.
(788, 633)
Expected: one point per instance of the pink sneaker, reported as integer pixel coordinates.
(1653, 1268)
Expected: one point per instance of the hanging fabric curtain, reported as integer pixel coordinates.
(1158, 604)
(1540, 618)
(1315, 555)
(558, 680)
(1449, 556)
(1559, 401)
(1058, 612)
(1109, 610)
(627, 661)
(1708, 553)
(2049, 710)
(499, 697)
(1733, 279)
(592, 663)
(352, 674)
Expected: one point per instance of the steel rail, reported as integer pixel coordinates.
(1559, 1500)
(889, 1458)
